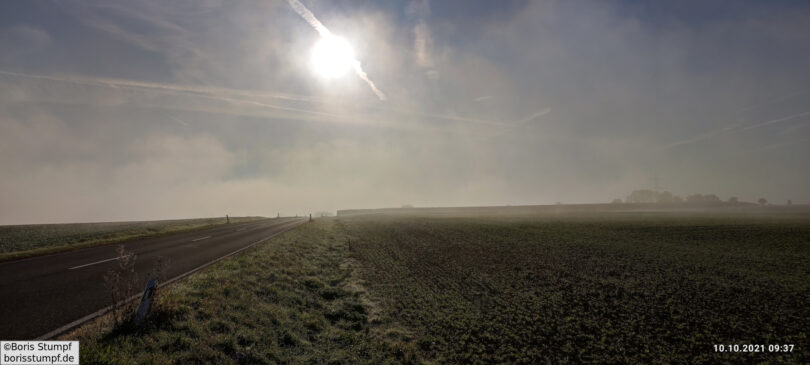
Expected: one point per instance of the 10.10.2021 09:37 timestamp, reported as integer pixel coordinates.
(752, 347)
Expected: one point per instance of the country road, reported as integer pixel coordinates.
(41, 294)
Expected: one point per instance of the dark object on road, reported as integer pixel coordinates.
(146, 302)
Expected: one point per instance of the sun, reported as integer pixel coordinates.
(332, 57)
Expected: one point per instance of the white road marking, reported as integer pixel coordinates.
(201, 238)
(93, 263)
(88, 317)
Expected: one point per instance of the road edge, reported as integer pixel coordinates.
(99, 313)
(15, 256)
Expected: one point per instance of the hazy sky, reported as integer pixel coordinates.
(118, 110)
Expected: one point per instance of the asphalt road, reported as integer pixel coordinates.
(41, 294)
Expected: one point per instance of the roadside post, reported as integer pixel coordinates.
(146, 302)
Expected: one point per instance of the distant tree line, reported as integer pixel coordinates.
(652, 196)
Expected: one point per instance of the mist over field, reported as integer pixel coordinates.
(130, 110)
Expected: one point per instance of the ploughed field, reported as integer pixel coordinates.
(613, 288)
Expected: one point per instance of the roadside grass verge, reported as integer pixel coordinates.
(292, 299)
(21, 241)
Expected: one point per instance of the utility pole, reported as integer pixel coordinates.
(227, 219)
(310, 217)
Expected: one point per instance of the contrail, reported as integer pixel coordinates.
(779, 145)
(178, 120)
(236, 99)
(772, 101)
(364, 76)
(231, 96)
(324, 32)
(534, 116)
(774, 121)
(734, 128)
(98, 81)
(238, 102)
(702, 136)
(309, 17)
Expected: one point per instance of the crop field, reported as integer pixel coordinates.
(23, 240)
(624, 288)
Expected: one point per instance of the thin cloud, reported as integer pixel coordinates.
(423, 38)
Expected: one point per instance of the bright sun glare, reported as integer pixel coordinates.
(332, 57)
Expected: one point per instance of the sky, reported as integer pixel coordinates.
(138, 110)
